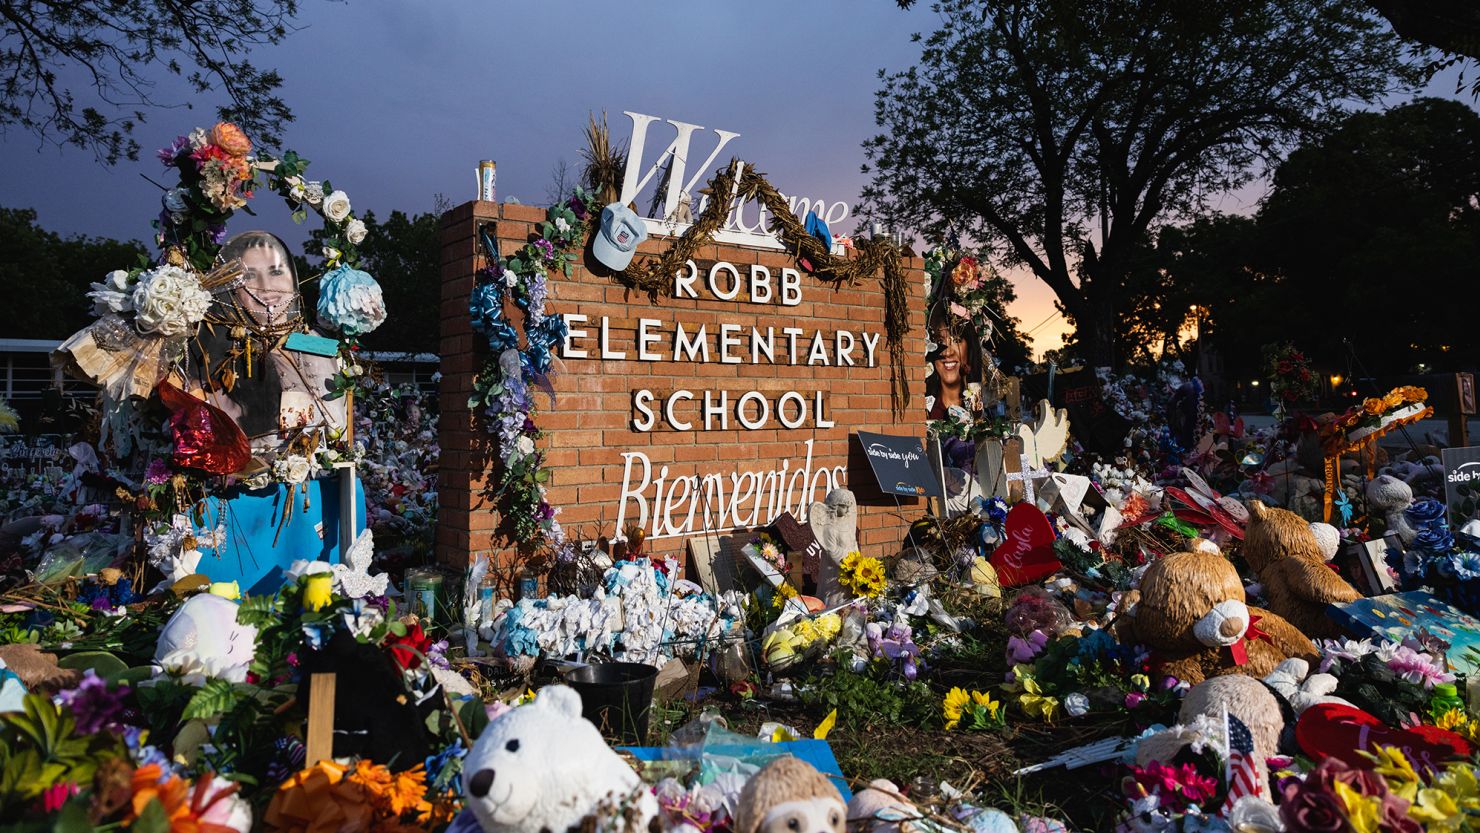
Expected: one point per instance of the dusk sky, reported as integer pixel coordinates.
(397, 102)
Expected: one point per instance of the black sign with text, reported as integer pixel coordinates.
(1462, 484)
(900, 465)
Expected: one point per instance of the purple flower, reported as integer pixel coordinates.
(167, 154)
(96, 706)
(217, 233)
(157, 474)
(1133, 699)
(578, 206)
(547, 249)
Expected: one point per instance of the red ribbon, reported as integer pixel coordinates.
(1237, 649)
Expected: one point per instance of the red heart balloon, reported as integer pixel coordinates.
(205, 437)
(1026, 552)
(1341, 731)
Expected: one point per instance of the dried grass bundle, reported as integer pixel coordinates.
(604, 163)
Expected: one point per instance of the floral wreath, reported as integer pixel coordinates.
(503, 385)
(147, 314)
(217, 177)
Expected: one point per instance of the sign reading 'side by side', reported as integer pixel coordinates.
(1462, 484)
(900, 465)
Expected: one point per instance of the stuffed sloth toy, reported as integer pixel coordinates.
(1281, 548)
(789, 795)
(1193, 614)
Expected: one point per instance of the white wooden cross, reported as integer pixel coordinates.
(1026, 476)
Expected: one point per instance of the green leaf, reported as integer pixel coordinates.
(152, 820)
(102, 662)
(215, 698)
(72, 818)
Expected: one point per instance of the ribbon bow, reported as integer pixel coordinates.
(1237, 649)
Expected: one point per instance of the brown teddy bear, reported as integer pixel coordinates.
(1281, 549)
(1192, 613)
(789, 795)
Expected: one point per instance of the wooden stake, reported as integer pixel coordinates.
(349, 420)
(321, 719)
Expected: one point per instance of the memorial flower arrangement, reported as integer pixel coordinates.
(863, 576)
(1390, 794)
(505, 385)
(1289, 374)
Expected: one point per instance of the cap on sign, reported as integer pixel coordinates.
(621, 231)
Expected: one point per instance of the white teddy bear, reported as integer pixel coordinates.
(544, 767)
(1293, 680)
(203, 637)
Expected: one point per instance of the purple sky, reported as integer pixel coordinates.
(397, 102)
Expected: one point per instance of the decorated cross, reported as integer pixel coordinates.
(1026, 476)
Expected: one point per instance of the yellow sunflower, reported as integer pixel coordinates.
(952, 707)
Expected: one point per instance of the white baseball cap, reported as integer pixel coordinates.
(621, 231)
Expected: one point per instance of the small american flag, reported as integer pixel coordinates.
(1243, 771)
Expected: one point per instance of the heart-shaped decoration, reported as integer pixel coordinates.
(1026, 552)
(1340, 731)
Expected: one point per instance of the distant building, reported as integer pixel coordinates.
(38, 392)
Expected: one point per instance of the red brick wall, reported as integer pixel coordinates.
(591, 424)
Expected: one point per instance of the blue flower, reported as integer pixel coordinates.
(1466, 565)
(350, 301)
(1435, 539)
(1425, 511)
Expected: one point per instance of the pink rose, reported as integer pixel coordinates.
(1309, 808)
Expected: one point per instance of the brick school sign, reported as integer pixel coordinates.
(713, 409)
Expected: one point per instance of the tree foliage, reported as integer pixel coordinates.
(404, 254)
(47, 275)
(1365, 249)
(83, 72)
(1064, 132)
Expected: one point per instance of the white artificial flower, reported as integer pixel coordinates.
(562, 225)
(168, 301)
(336, 207)
(354, 232)
(199, 138)
(294, 468)
(526, 446)
(313, 192)
(229, 811)
(112, 294)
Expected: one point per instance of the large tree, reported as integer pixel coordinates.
(46, 276)
(1063, 132)
(84, 72)
(1375, 232)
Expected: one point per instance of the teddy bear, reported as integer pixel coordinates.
(1200, 721)
(789, 795)
(1193, 614)
(204, 636)
(542, 766)
(1390, 497)
(1298, 585)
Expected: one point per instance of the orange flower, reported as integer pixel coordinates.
(1373, 406)
(1411, 393)
(184, 804)
(231, 139)
(392, 793)
(966, 274)
(1393, 399)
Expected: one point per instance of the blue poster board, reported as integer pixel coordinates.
(1397, 616)
(248, 555)
(818, 753)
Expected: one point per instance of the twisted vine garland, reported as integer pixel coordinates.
(873, 256)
